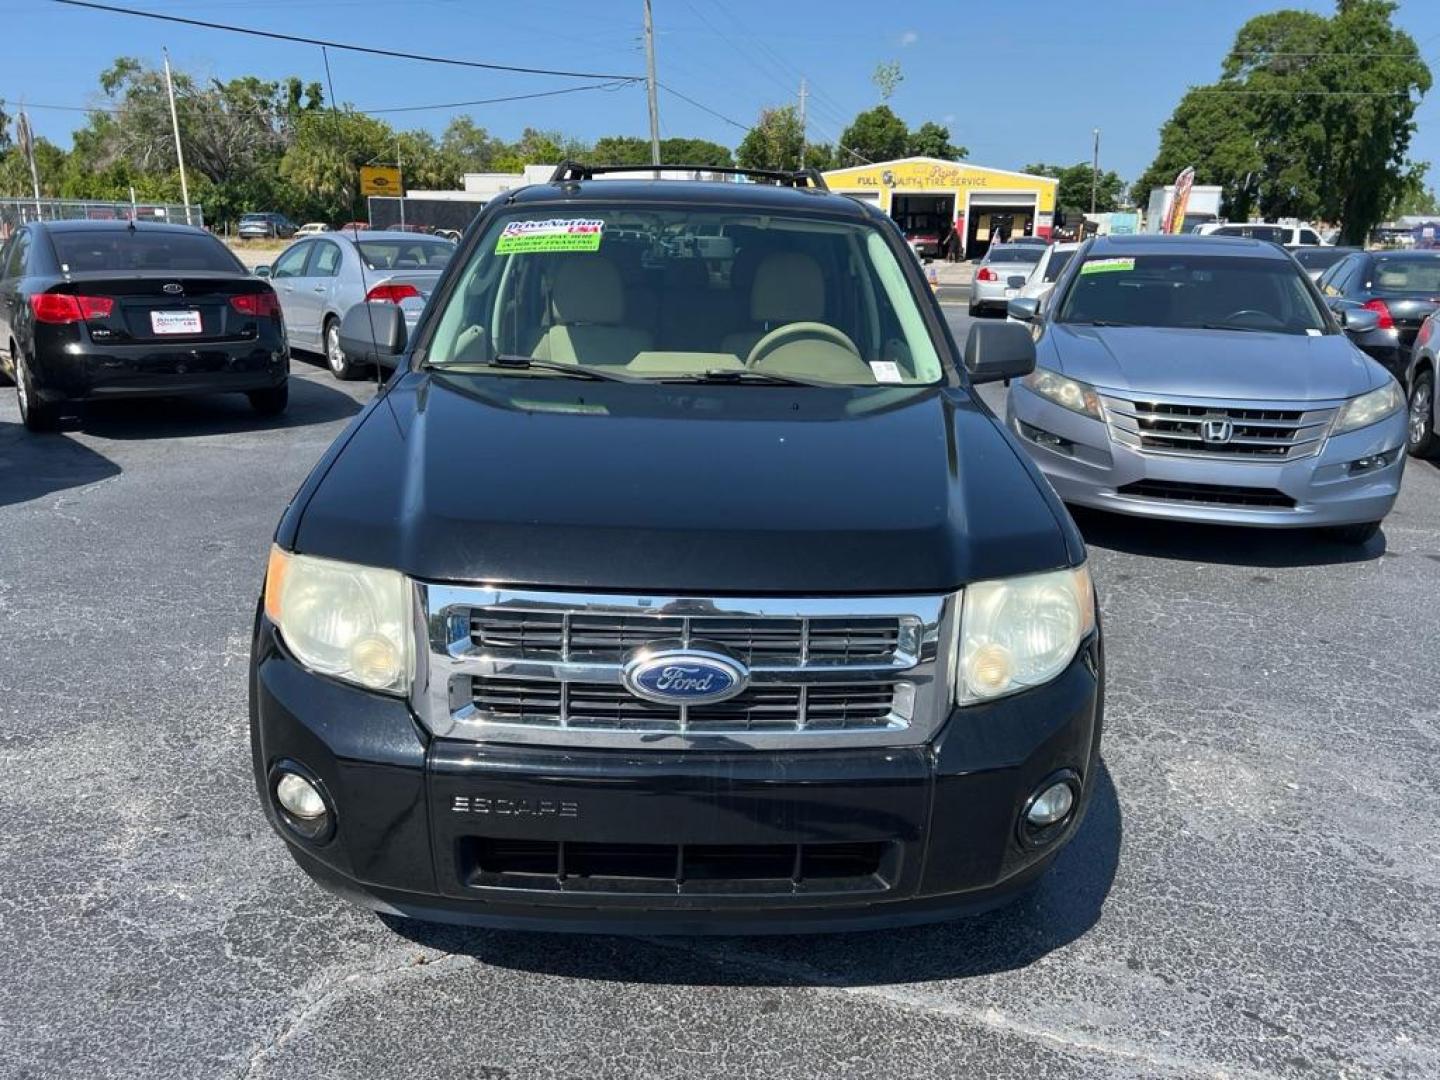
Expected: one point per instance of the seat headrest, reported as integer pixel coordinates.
(586, 289)
(788, 288)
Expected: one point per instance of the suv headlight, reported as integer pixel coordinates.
(1067, 393)
(1020, 632)
(352, 622)
(1369, 408)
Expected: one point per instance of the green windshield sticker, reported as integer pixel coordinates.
(1101, 266)
(555, 234)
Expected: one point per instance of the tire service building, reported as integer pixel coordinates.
(950, 209)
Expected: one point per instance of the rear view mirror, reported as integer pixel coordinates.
(262, 271)
(1024, 308)
(996, 350)
(1015, 281)
(373, 333)
(1357, 320)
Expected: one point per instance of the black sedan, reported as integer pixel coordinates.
(100, 309)
(1402, 287)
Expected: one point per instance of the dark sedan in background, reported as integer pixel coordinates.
(1401, 287)
(1316, 260)
(96, 309)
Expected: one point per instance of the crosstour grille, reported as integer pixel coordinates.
(1218, 430)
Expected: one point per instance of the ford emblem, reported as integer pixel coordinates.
(684, 677)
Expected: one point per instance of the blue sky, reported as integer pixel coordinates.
(1016, 82)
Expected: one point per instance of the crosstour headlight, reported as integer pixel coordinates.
(1068, 393)
(1020, 632)
(1369, 408)
(352, 622)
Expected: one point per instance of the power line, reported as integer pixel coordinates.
(393, 54)
(613, 84)
(704, 108)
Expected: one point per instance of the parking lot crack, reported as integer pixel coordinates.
(356, 981)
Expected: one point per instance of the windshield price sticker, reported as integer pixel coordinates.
(555, 234)
(886, 371)
(1102, 266)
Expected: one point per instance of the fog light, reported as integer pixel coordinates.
(1051, 806)
(1372, 462)
(299, 797)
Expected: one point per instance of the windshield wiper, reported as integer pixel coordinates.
(731, 375)
(1096, 322)
(1232, 326)
(508, 361)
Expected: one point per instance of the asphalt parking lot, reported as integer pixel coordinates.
(1253, 894)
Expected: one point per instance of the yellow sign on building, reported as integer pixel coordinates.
(954, 206)
(381, 180)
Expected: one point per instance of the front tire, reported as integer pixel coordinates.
(35, 413)
(340, 365)
(1421, 440)
(1357, 535)
(271, 402)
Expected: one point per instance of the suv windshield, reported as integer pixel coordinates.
(125, 249)
(1193, 291)
(661, 293)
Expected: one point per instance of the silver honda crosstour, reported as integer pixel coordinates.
(1206, 380)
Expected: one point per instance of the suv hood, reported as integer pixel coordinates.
(558, 483)
(1236, 365)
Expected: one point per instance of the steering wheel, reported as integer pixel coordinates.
(1251, 313)
(772, 341)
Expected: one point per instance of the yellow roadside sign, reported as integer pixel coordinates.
(380, 180)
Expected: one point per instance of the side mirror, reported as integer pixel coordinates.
(1358, 320)
(261, 271)
(373, 333)
(996, 350)
(1023, 308)
(1016, 281)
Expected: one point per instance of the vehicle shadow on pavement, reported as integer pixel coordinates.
(33, 466)
(311, 402)
(1230, 545)
(1063, 905)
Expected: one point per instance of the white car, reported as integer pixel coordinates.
(1288, 235)
(1041, 281)
(311, 228)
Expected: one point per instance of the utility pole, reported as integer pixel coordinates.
(1095, 172)
(26, 136)
(650, 89)
(175, 123)
(804, 93)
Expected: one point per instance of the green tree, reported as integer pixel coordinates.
(887, 77)
(1418, 200)
(4, 128)
(933, 140)
(678, 151)
(322, 166)
(875, 135)
(1073, 191)
(1312, 117)
(50, 166)
(621, 150)
(473, 148)
(774, 142)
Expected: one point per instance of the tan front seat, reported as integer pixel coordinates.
(589, 305)
(789, 287)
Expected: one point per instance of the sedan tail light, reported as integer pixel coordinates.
(61, 308)
(1387, 321)
(261, 304)
(392, 293)
(986, 274)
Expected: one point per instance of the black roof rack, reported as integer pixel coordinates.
(575, 170)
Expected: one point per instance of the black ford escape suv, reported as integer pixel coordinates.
(677, 581)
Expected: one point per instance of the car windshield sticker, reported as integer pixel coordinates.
(1101, 266)
(554, 234)
(886, 371)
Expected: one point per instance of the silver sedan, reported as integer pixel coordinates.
(991, 287)
(320, 278)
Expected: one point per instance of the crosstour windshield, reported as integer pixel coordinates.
(1194, 291)
(686, 295)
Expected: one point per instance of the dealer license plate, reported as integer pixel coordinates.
(176, 322)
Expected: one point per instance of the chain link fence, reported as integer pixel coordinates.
(17, 212)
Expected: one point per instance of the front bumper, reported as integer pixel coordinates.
(666, 841)
(1087, 468)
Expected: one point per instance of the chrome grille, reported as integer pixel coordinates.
(1257, 431)
(539, 667)
(821, 707)
(562, 635)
